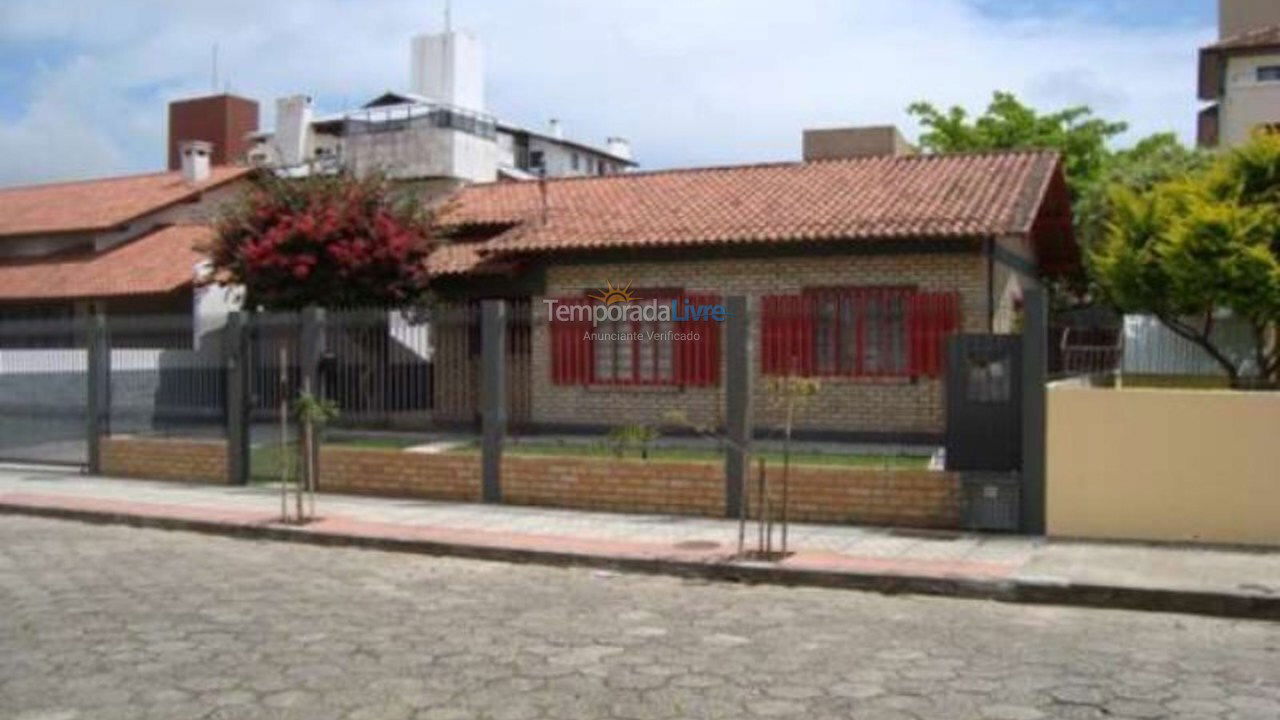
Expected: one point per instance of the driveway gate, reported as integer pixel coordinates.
(44, 391)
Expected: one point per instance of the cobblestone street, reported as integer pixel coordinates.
(112, 622)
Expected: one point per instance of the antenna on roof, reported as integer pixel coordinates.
(448, 16)
(213, 80)
(542, 193)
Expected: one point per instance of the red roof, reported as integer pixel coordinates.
(917, 197)
(94, 205)
(161, 261)
(453, 259)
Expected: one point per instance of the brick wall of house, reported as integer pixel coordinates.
(187, 460)
(890, 406)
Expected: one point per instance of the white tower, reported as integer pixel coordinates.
(448, 67)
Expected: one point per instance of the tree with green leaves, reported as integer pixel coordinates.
(1091, 166)
(1153, 160)
(1190, 249)
(1008, 124)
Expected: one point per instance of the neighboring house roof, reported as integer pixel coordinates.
(161, 261)
(1213, 57)
(909, 198)
(97, 205)
(453, 259)
(1263, 37)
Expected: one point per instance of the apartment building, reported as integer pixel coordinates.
(1239, 75)
(438, 130)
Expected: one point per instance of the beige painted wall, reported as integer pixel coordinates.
(1171, 465)
(1237, 16)
(1247, 103)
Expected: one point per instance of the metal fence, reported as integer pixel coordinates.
(166, 376)
(43, 390)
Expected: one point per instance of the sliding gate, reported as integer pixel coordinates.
(44, 391)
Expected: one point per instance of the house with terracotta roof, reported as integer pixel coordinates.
(121, 245)
(856, 263)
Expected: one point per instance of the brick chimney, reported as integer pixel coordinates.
(853, 142)
(225, 121)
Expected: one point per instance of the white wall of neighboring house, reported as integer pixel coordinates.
(1248, 103)
(562, 160)
(422, 150)
(448, 68)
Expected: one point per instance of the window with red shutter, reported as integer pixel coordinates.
(570, 348)
(638, 352)
(856, 332)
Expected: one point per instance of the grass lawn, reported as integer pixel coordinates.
(265, 459)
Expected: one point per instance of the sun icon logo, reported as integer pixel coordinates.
(611, 294)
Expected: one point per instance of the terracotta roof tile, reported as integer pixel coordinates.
(89, 205)
(160, 261)
(913, 197)
(453, 259)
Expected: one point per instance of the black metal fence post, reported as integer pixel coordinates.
(1035, 345)
(493, 395)
(738, 424)
(98, 365)
(236, 357)
(312, 346)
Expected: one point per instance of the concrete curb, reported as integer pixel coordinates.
(1030, 591)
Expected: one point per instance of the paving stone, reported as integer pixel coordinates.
(114, 622)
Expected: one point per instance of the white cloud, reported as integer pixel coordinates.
(705, 81)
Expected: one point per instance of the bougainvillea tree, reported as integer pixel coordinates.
(331, 241)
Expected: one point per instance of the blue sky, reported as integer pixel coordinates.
(1133, 13)
(83, 85)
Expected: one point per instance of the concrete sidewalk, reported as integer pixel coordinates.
(1233, 583)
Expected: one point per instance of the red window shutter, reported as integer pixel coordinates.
(770, 335)
(698, 361)
(932, 318)
(786, 335)
(571, 357)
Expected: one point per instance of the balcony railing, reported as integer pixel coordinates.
(398, 118)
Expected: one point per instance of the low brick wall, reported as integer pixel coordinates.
(184, 459)
(680, 488)
(906, 498)
(362, 471)
(903, 498)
